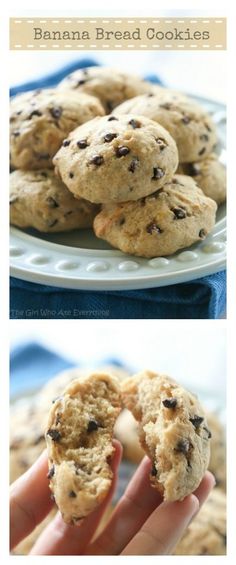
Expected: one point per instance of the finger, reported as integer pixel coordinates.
(137, 503)
(207, 484)
(62, 539)
(30, 500)
(162, 530)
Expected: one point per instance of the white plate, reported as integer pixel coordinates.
(78, 260)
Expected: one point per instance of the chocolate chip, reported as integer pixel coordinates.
(204, 137)
(121, 221)
(209, 434)
(80, 82)
(92, 426)
(72, 494)
(19, 112)
(16, 133)
(52, 224)
(34, 113)
(161, 142)
(179, 213)
(82, 143)
(54, 434)
(51, 472)
(52, 203)
(207, 127)
(97, 160)
(109, 137)
(112, 118)
(196, 421)
(56, 112)
(133, 165)
(183, 446)
(202, 234)
(202, 151)
(71, 175)
(154, 471)
(157, 173)
(135, 124)
(150, 94)
(185, 120)
(122, 151)
(66, 143)
(109, 105)
(153, 228)
(44, 174)
(192, 169)
(166, 106)
(170, 402)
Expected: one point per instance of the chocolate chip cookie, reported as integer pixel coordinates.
(40, 200)
(172, 430)
(110, 85)
(41, 119)
(190, 126)
(113, 159)
(174, 217)
(206, 534)
(210, 175)
(79, 439)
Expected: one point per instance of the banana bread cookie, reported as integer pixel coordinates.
(116, 159)
(172, 430)
(40, 200)
(210, 175)
(41, 119)
(190, 126)
(110, 85)
(79, 439)
(172, 218)
(206, 534)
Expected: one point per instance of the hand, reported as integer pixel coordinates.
(141, 524)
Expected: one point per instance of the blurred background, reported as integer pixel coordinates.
(193, 354)
(202, 73)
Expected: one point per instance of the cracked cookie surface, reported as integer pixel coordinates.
(40, 200)
(113, 159)
(79, 440)
(41, 119)
(173, 218)
(172, 430)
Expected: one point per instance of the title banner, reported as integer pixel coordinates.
(124, 34)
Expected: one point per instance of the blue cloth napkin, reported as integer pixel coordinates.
(202, 298)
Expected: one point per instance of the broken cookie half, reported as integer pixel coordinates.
(172, 430)
(79, 440)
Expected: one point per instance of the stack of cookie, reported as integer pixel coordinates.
(134, 159)
(40, 121)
